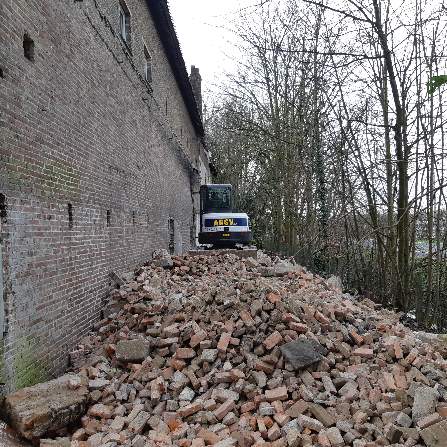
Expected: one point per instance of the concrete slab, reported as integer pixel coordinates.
(46, 407)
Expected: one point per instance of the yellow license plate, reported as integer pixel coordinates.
(224, 222)
(226, 234)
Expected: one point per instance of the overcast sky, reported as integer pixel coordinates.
(203, 28)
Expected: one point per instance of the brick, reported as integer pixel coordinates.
(389, 381)
(272, 340)
(328, 385)
(400, 378)
(293, 438)
(301, 328)
(321, 318)
(197, 338)
(209, 437)
(398, 351)
(247, 319)
(393, 433)
(264, 366)
(297, 409)
(266, 409)
(358, 339)
(273, 297)
(277, 394)
(310, 423)
(209, 355)
(429, 420)
(185, 353)
(190, 409)
(100, 411)
(274, 432)
(247, 406)
(223, 377)
(281, 418)
(132, 350)
(442, 410)
(335, 437)
(322, 415)
(224, 342)
(138, 424)
(364, 353)
(224, 409)
(323, 440)
(261, 427)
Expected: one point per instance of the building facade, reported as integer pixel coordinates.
(101, 158)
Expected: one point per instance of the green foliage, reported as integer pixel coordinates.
(436, 82)
(28, 369)
(2, 362)
(57, 177)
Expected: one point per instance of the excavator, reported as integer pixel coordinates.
(220, 226)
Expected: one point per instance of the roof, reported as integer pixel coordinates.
(163, 22)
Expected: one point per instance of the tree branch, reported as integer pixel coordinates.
(339, 11)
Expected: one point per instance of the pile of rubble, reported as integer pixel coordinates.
(223, 351)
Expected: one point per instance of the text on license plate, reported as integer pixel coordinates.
(228, 222)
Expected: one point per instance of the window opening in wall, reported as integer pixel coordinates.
(3, 208)
(108, 218)
(70, 215)
(134, 217)
(166, 106)
(125, 23)
(171, 230)
(192, 234)
(28, 47)
(1, 73)
(147, 65)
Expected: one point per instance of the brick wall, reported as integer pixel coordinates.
(92, 166)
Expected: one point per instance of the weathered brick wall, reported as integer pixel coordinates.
(92, 167)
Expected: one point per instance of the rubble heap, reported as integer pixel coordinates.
(217, 350)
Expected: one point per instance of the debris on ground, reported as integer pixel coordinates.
(9, 438)
(218, 350)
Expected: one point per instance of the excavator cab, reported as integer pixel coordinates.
(219, 225)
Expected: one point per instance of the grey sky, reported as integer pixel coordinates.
(203, 29)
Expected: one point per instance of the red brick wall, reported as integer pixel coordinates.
(79, 126)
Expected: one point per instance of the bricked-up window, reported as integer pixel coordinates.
(171, 230)
(3, 210)
(125, 23)
(147, 65)
(70, 215)
(28, 47)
